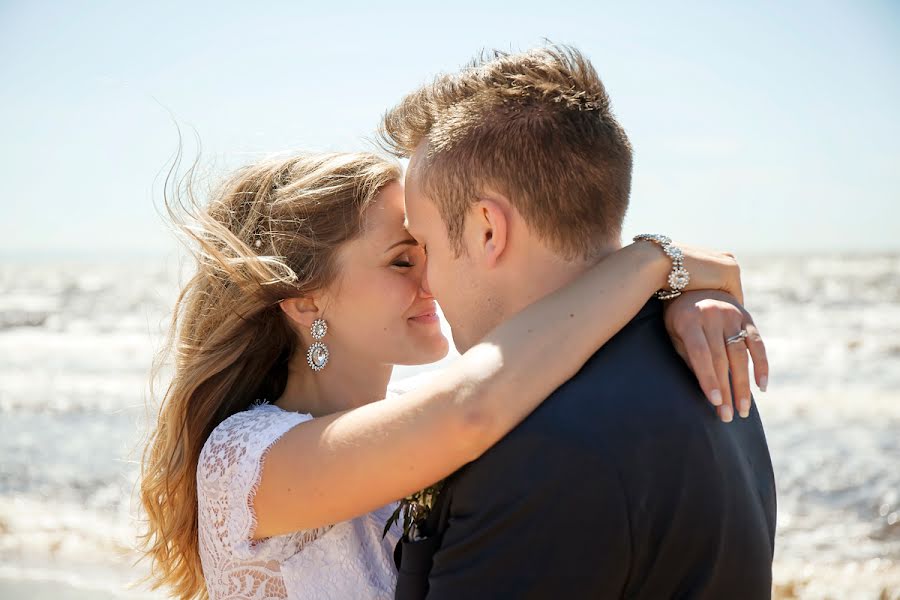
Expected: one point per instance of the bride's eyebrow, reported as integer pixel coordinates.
(408, 242)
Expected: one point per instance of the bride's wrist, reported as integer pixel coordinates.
(658, 265)
(677, 276)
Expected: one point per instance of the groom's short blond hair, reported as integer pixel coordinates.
(535, 126)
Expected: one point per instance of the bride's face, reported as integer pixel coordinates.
(377, 309)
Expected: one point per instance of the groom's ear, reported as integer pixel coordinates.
(492, 228)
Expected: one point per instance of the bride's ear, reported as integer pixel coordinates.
(301, 311)
(492, 227)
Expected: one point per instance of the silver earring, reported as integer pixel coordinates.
(317, 355)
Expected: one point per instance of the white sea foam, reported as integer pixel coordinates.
(76, 341)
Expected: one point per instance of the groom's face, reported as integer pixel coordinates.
(458, 283)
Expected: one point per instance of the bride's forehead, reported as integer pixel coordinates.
(385, 217)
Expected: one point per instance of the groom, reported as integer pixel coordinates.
(623, 483)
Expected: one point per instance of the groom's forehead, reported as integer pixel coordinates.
(409, 223)
(417, 163)
(415, 220)
(412, 187)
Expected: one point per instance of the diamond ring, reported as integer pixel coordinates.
(738, 337)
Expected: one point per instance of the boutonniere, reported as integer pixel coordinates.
(414, 509)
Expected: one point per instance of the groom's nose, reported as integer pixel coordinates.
(423, 285)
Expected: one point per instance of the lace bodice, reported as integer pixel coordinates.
(340, 561)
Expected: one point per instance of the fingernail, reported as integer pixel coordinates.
(763, 382)
(716, 397)
(744, 407)
(727, 414)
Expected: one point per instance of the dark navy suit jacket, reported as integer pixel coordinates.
(622, 484)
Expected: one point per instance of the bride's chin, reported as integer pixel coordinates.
(427, 352)
(439, 349)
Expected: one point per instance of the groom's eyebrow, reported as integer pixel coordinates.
(408, 242)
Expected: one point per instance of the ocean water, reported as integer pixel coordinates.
(77, 338)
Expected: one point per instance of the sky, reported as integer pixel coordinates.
(758, 127)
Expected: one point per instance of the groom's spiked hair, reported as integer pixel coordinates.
(535, 126)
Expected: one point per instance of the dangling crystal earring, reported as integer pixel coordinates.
(317, 355)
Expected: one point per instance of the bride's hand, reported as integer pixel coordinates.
(699, 322)
(712, 270)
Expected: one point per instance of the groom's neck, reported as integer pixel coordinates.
(543, 272)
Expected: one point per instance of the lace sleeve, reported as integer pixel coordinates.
(228, 475)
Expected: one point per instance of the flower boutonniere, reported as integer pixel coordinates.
(415, 508)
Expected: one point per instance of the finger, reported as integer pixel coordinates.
(716, 343)
(758, 353)
(740, 376)
(700, 361)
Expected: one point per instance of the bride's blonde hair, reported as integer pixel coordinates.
(269, 231)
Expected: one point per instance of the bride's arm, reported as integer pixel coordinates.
(342, 465)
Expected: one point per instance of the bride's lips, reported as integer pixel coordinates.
(426, 315)
(425, 319)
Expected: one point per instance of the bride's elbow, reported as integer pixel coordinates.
(470, 433)
(476, 422)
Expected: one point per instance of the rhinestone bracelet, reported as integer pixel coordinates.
(679, 277)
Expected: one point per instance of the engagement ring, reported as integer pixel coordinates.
(738, 337)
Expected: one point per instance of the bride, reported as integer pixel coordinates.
(279, 453)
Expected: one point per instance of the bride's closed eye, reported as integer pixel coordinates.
(404, 261)
(410, 258)
(403, 264)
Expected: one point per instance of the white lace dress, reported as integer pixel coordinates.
(342, 561)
